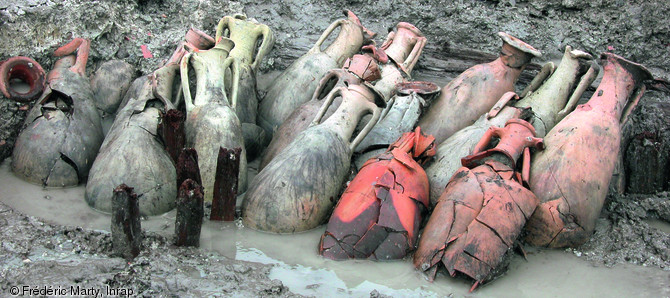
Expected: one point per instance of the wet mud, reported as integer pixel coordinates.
(633, 231)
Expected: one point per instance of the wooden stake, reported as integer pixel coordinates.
(225, 184)
(173, 133)
(189, 214)
(126, 226)
(187, 167)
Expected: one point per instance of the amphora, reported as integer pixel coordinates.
(297, 190)
(476, 90)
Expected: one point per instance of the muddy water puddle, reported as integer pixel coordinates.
(297, 265)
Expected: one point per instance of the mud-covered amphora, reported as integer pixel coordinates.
(133, 152)
(399, 116)
(211, 121)
(362, 66)
(253, 41)
(297, 190)
(297, 83)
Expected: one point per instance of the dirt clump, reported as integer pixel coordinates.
(40, 254)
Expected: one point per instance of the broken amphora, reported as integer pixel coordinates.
(297, 190)
(403, 47)
(476, 90)
(571, 177)
(379, 214)
(133, 152)
(481, 212)
(297, 83)
(62, 133)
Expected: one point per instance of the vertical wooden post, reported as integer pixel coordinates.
(173, 133)
(189, 214)
(187, 167)
(126, 226)
(225, 184)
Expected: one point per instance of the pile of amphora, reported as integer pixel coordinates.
(453, 175)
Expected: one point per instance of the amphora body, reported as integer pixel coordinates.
(572, 175)
(302, 117)
(476, 90)
(297, 190)
(297, 83)
(133, 152)
(359, 69)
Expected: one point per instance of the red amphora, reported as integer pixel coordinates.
(297, 190)
(379, 214)
(572, 175)
(483, 208)
(476, 90)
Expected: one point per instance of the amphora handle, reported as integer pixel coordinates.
(547, 69)
(83, 47)
(323, 83)
(584, 83)
(266, 45)
(413, 56)
(376, 113)
(183, 71)
(317, 46)
(234, 65)
(224, 24)
(162, 79)
(326, 104)
(502, 102)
